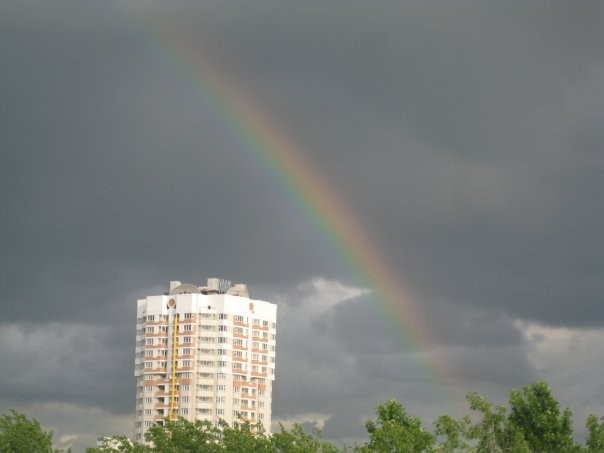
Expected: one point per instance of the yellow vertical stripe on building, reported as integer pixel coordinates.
(174, 363)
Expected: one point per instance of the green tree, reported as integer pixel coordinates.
(118, 444)
(536, 414)
(595, 436)
(395, 431)
(492, 433)
(18, 434)
(297, 440)
(183, 436)
(453, 432)
(244, 437)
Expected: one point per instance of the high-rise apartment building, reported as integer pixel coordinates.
(204, 353)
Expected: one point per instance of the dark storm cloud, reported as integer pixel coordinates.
(464, 139)
(461, 133)
(465, 136)
(111, 165)
(69, 363)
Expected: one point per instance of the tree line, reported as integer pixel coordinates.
(533, 422)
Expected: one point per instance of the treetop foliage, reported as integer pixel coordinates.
(533, 423)
(18, 434)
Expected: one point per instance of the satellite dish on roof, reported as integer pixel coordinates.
(186, 288)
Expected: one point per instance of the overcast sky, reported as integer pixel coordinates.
(465, 136)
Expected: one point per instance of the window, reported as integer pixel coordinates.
(184, 399)
(261, 416)
(223, 340)
(163, 328)
(163, 364)
(207, 363)
(223, 316)
(219, 412)
(149, 353)
(149, 330)
(264, 358)
(221, 388)
(255, 345)
(186, 351)
(151, 318)
(185, 387)
(265, 323)
(223, 329)
(238, 318)
(148, 411)
(264, 346)
(162, 352)
(220, 376)
(222, 352)
(148, 400)
(256, 333)
(207, 339)
(238, 330)
(220, 399)
(265, 335)
(148, 364)
(149, 341)
(260, 403)
(187, 327)
(221, 363)
(148, 388)
(188, 315)
(186, 363)
(187, 339)
(256, 322)
(237, 353)
(237, 366)
(184, 411)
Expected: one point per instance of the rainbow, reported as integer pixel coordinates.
(273, 149)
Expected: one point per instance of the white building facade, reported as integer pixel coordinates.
(204, 353)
